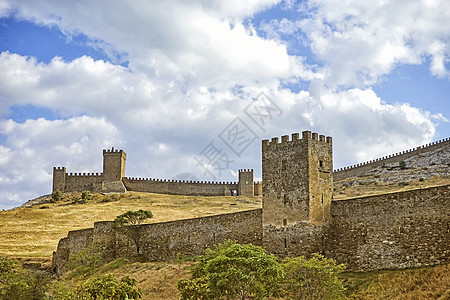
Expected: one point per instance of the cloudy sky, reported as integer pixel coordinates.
(193, 86)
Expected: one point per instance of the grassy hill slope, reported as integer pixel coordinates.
(34, 232)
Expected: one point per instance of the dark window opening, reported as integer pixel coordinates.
(321, 163)
(285, 243)
(284, 164)
(284, 222)
(322, 198)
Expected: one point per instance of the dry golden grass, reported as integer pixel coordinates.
(412, 284)
(34, 232)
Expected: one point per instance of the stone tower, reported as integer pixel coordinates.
(59, 179)
(245, 184)
(114, 164)
(297, 178)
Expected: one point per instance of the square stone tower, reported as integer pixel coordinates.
(59, 179)
(114, 164)
(297, 178)
(245, 184)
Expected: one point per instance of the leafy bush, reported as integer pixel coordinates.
(56, 196)
(231, 271)
(86, 195)
(19, 283)
(314, 278)
(107, 287)
(112, 197)
(402, 164)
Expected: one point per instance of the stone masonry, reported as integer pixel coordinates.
(113, 180)
(298, 217)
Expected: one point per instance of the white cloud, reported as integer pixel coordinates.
(359, 41)
(193, 68)
(33, 148)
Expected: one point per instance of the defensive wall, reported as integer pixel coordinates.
(362, 168)
(180, 187)
(113, 179)
(163, 241)
(298, 217)
(396, 230)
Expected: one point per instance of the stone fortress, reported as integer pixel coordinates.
(298, 215)
(113, 180)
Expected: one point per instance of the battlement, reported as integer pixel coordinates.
(84, 174)
(396, 157)
(180, 181)
(295, 137)
(112, 150)
(245, 170)
(59, 169)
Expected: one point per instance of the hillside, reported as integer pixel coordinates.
(419, 171)
(34, 232)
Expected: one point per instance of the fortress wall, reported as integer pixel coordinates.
(177, 187)
(364, 167)
(302, 238)
(396, 230)
(163, 241)
(258, 188)
(77, 182)
(75, 241)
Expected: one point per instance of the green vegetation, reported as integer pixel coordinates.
(402, 165)
(128, 223)
(107, 287)
(21, 284)
(57, 196)
(86, 261)
(233, 271)
(315, 278)
(86, 196)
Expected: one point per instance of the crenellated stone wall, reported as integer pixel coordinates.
(362, 168)
(163, 241)
(180, 187)
(395, 230)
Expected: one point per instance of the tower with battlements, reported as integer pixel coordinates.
(297, 177)
(246, 183)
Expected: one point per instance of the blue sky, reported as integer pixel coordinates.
(162, 80)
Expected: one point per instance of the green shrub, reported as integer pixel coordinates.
(314, 278)
(107, 287)
(56, 196)
(86, 195)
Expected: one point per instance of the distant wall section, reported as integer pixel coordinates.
(180, 187)
(364, 167)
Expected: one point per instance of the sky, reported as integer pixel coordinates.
(188, 89)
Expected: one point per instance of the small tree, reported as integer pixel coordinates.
(314, 278)
(233, 271)
(129, 223)
(402, 165)
(107, 287)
